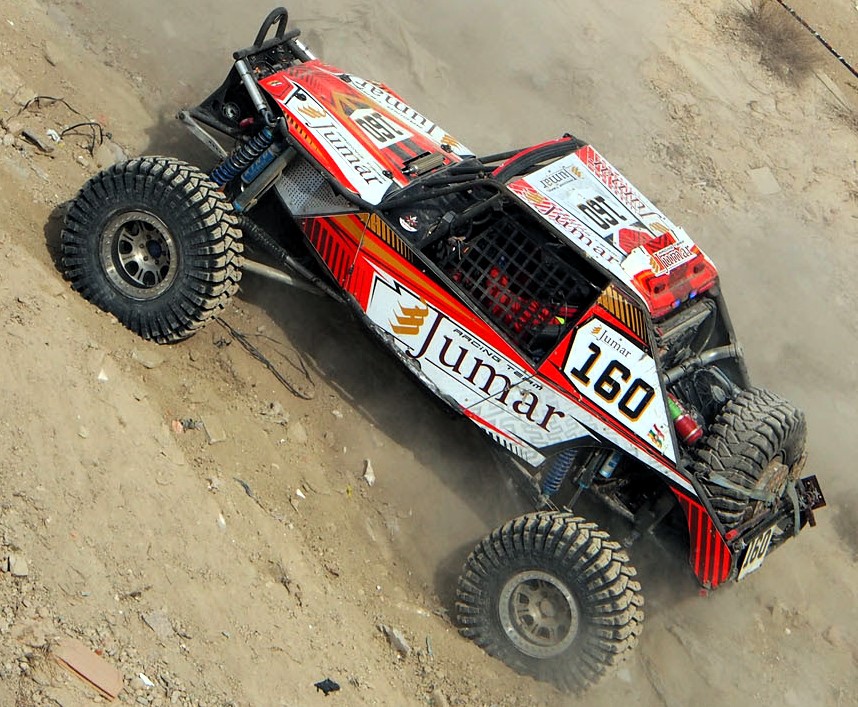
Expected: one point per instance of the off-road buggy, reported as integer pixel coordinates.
(536, 292)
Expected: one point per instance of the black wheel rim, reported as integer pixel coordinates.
(538, 613)
(139, 255)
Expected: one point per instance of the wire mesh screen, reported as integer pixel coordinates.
(519, 281)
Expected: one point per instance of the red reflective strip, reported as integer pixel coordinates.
(698, 540)
(707, 572)
(716, 560)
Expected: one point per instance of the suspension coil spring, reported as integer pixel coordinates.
(559, 470)
(242, 157)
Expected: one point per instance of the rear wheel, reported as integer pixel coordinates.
(746, 460)
(553, 597)
(153, 242)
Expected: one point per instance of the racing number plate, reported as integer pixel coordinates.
(756, 552)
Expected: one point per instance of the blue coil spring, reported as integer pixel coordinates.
(242, 157)
(557, 474)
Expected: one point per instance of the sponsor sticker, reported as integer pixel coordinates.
(402, 110)
(621, 378)
(357, 165)
(667, 259)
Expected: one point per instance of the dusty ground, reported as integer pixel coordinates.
(256, 595)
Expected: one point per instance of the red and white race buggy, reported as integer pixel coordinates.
(537, 292)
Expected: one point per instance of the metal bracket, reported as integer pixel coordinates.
(200, 133)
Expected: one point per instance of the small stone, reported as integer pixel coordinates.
(834, 636)
(368, 473)
(24, 95)
(36, 139)
(274, 409)
(215, 431)
(221, 521)
(159, 622)
(102, 376)
(337, 414)
(437, 699)
(82, 432)
(147, 359)
(297, 434)
(13, 126)
(10, 82)
(396, 640)
(103, 156)
(53, 55)
(764, 181)
(18, 566)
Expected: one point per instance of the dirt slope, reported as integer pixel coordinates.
(244, 571)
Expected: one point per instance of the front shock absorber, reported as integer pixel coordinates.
(557, 473)
(242, 157)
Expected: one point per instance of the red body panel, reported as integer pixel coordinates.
(710, 557)
(341, 118)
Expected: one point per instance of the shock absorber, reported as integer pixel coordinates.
(242, 157)
(557, 473)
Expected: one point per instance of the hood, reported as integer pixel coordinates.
(598, 212)
(367, 137)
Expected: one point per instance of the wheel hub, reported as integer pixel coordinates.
(139, 255)
(538, 613)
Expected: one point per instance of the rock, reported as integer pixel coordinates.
(396, 640)
(8, 140)
(30, 135)
(104, 156)
(764, 181)
(18, 566)
(119, 155)
(159, 622)
(437, 699)
(834, 636)
(10, 82)
(274, 409)
(52, 53)
(215, 431)
(337, 414)
(83, 432)
(147, 359)
(24, 95)
(369, 473)
(14, 126)
(296, 433)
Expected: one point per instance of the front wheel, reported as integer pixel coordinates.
(553, 597)
(153, 242)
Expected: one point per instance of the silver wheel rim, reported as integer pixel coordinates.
(139, 255)
(538, 614)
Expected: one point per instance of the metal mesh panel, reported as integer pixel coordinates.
(519, 281)
(305, 192)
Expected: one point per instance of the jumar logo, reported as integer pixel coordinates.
(409, 320)
(311, 112)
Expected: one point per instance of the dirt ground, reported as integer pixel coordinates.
(242, 562)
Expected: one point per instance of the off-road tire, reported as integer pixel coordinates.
(753, 430)
(170, 215)
(555, 569)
